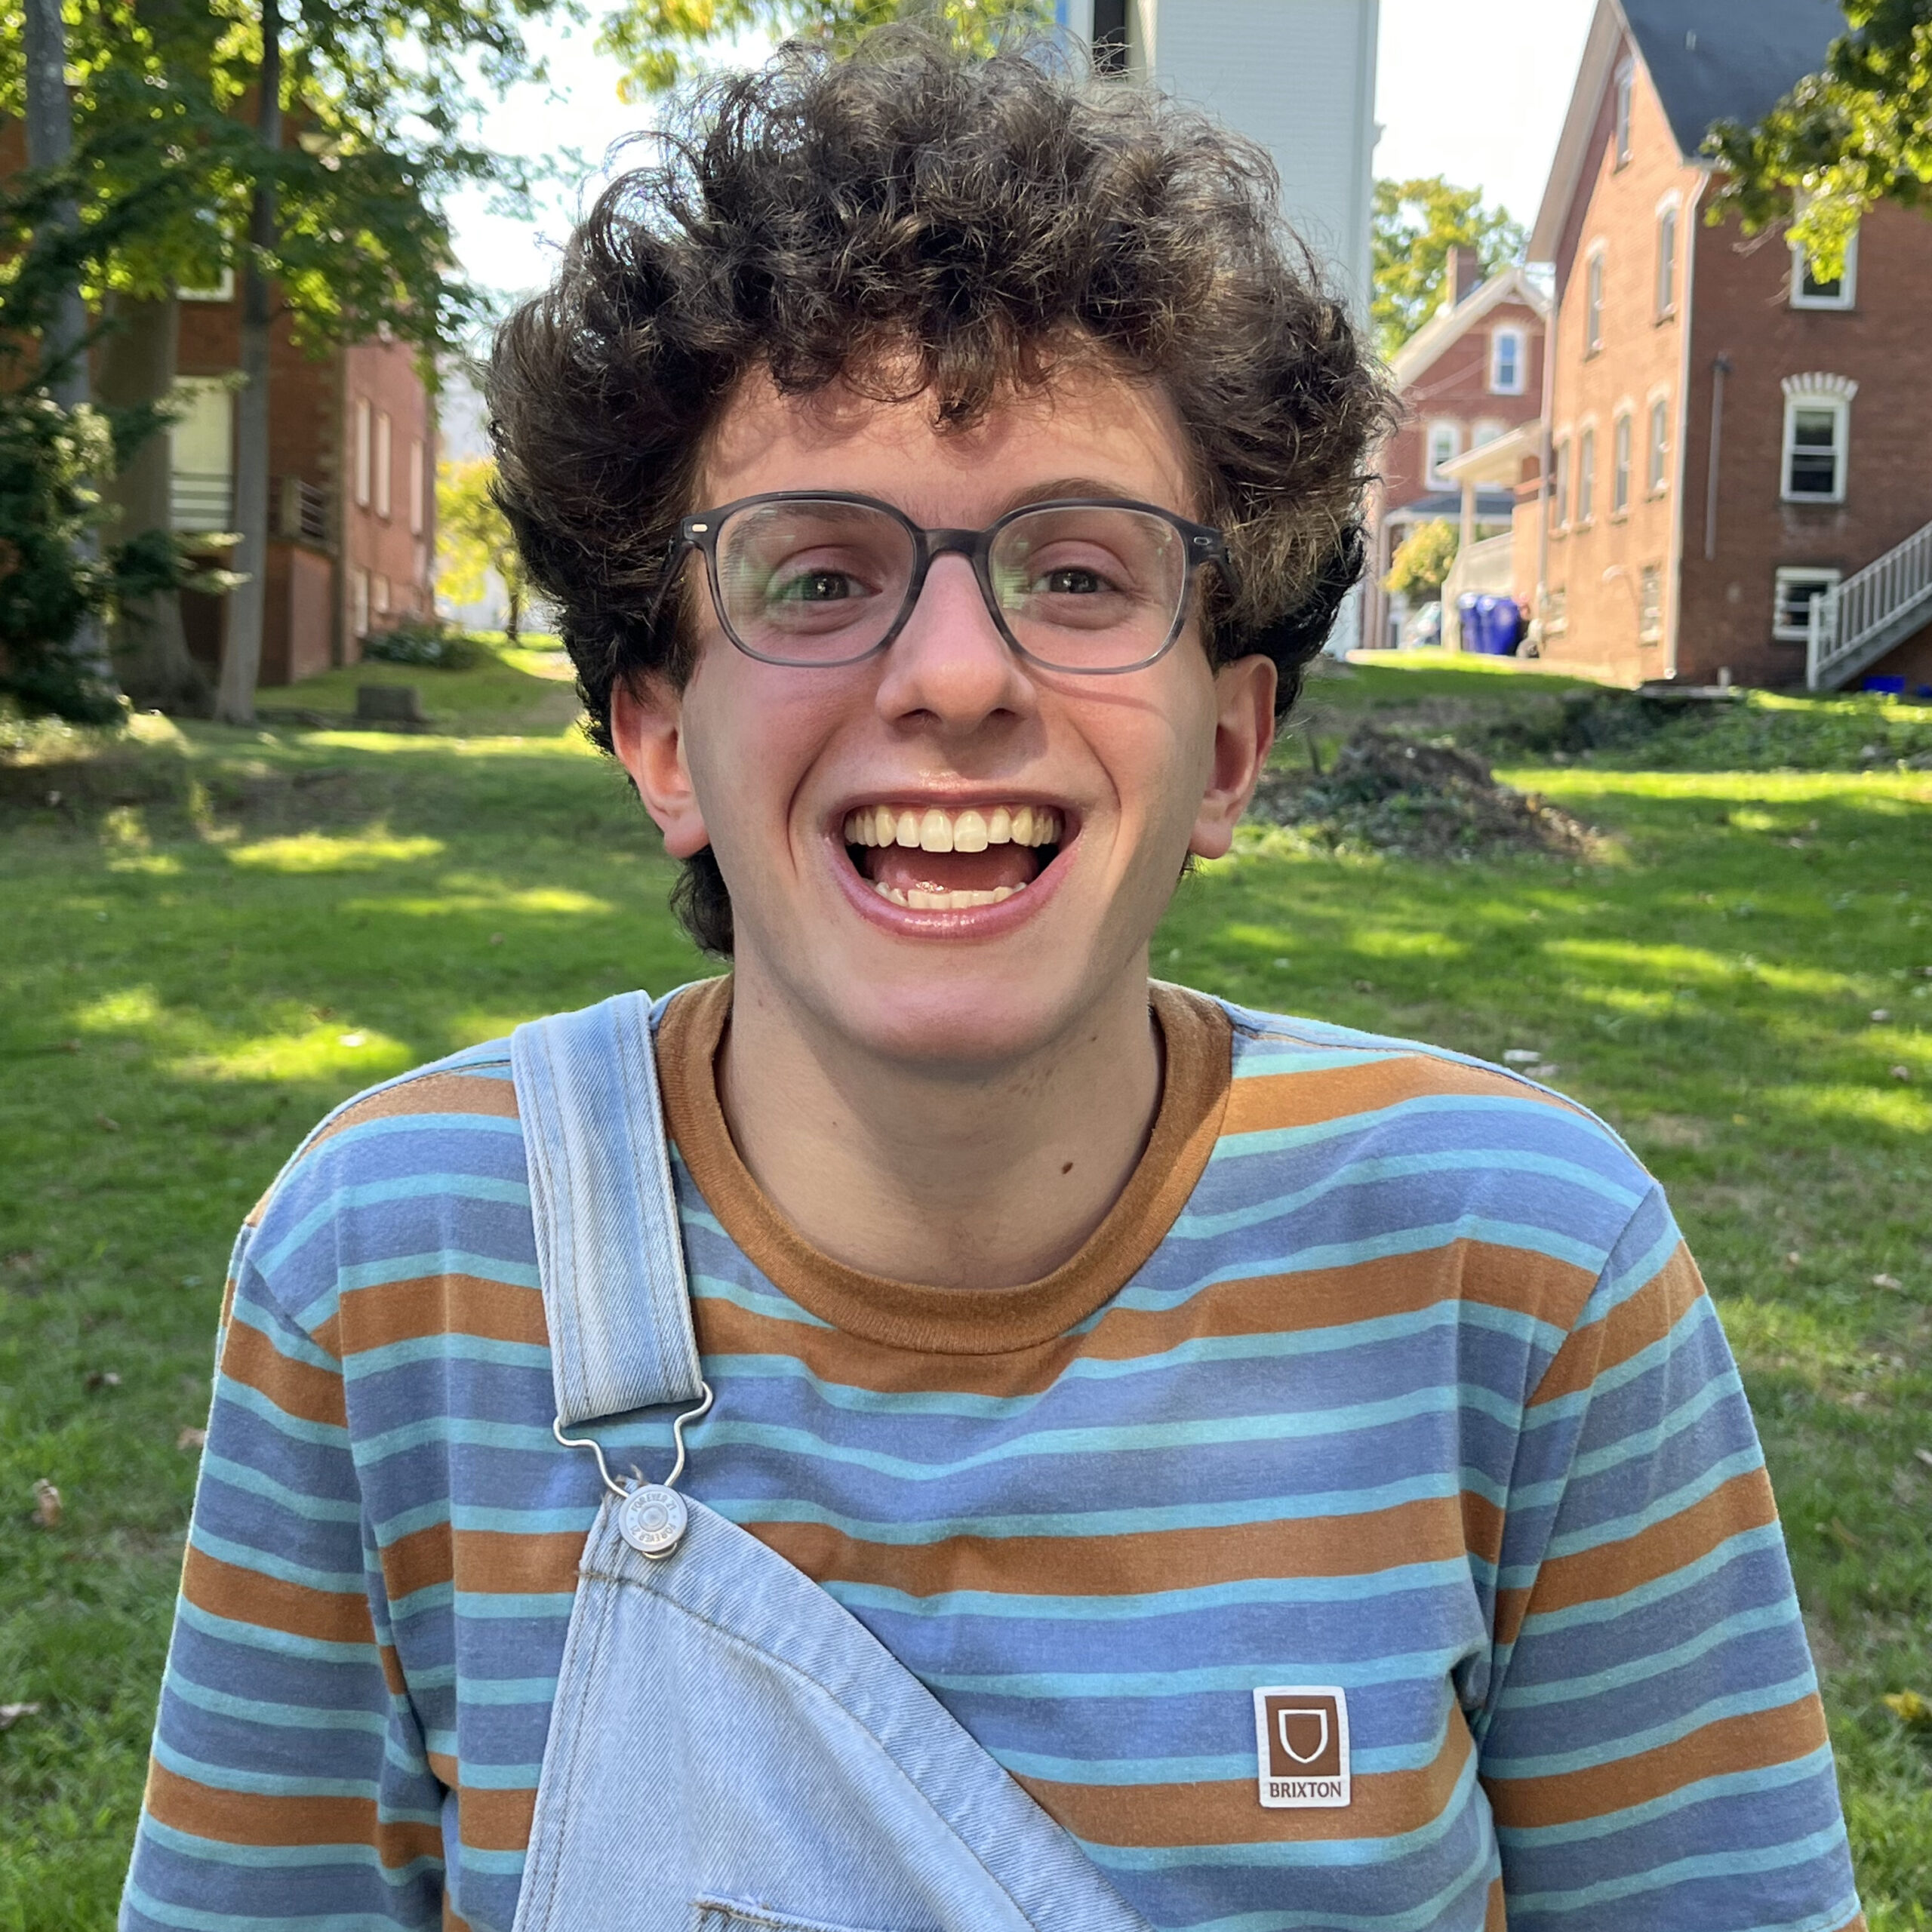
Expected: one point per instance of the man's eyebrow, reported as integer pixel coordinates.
(1061, 487)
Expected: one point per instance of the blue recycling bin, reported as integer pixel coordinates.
(1492, 625)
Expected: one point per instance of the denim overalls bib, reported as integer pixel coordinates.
(729, 1751)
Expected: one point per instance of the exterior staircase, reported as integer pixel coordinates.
(1854, 623)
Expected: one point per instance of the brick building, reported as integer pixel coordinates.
(1472, 376)
(351, 520)
(1730, 439)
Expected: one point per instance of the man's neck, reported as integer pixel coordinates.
(930, 1177)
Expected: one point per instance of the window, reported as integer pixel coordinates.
(383, 454)
(363, 439)
(1650, 605)
(358, 603)
(1817, 423)
(1797, 590)
(1507, 374)
(1110, 36)
(1657, 462)
(201, 463)
(1586, 476)
(1593, 304)
(382, 596)
(1487, 430)
(1808, 292)
(1559, 495)
(415, 504)
(1667, 262)
(222, 289)
(1445, 443)
(1626, 79)
(1619, 468)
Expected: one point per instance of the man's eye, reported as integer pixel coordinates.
(814, 587)
(1071, 582)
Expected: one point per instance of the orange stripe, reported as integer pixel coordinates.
(1479, 1272)
(1135, 1563)
(490, 1561)
(1230, 1811)
(1731, 1744)
(224, 1590)
(430, 1094)
(1496, 1917)
(297, 1388)
(426, 1304)
(250, 1818)
(1630, 1328)
(1609, 1570)
(1262, 1103)
(495, 1820)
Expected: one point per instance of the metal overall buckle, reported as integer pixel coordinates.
(651, 1516)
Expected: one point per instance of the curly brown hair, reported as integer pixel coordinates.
(910, 223)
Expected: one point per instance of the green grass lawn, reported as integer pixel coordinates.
(212, 935)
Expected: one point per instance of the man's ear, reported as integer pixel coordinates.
(647, 733)
(1244, 732)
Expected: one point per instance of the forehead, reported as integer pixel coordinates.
(1103, 428)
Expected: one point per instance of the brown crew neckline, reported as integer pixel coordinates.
(1199, 1043)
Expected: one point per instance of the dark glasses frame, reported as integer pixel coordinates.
(1201, 544)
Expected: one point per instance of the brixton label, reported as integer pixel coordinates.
(1301, 1733)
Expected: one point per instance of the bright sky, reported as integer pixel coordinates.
(1473, 89)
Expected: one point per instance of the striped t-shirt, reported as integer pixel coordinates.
(1388, 1372)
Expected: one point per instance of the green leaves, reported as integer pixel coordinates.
(1844, 139)
(1416, 223)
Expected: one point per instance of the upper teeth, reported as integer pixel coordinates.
(932, 830)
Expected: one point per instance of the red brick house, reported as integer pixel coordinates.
(1471, 375)
(351, 522)
(352, 456)
(1730, 439)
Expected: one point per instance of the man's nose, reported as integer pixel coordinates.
(950, 664)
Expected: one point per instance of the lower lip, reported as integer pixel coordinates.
(967, 922)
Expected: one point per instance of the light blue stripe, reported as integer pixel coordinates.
(253, 1482)
(1782, 1616)
(1751, 1783)
(297, 1428)
(290, 1857)
(267, 1784)
(769, 1303)
(191, 1920)
(1673, 1502)
(1418, 1667)
(1631, 1744)
(1127, 1773)
(289, 1342)
(484, 1607)
(283, 1643)
(245, 1556)
(256, 1710)
(449, 1344)
(1607, 1610)
(569, 1520)
(495, 1690)
(383, 1126)
(1710, 1865)
(394, 1268)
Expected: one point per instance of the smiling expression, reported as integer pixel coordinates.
(943, 853)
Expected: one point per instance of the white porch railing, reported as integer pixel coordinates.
(1854, 623)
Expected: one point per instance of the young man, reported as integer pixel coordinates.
(1149, 1463)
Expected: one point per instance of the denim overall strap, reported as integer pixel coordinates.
(609, 1257)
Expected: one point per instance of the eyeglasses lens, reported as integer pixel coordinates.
(822, 581)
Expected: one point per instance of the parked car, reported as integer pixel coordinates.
(1424, 629)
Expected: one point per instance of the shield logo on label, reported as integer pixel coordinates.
(1302, 1739)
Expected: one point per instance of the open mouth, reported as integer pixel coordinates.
(931, 859)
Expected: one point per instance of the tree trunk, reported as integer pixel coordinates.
(51, 144)
(241, 640)
(138, 363)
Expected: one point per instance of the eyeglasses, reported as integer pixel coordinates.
(1089, 585)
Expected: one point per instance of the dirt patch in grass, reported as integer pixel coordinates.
(1417, 799)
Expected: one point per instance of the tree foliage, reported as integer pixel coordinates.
(1416, 223)
(473, 538)
(1857, 133)
(1421, 564)
(663, 42)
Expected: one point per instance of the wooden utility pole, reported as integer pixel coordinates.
(50, 145)
(241, 644)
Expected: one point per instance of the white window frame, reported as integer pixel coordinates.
(382, 594)
(1847, 295)
(1486, 429)
(1594, 278)
(1586, 476)
(1518, 339)
(1802, 394)
(1620, 114)
(416, 472)
(1789, 573)
(385, 463)
(1670, 225)
(1559, 495)
(1657, 446)
(222, 289)
(1432, 473)
(1650, 624)
(1622, 452)
(364, 443)
(358, 603)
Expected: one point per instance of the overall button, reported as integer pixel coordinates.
(652, 1520)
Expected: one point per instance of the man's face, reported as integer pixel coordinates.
(1078, 798)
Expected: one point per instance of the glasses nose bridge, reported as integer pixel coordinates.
(970, 544)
